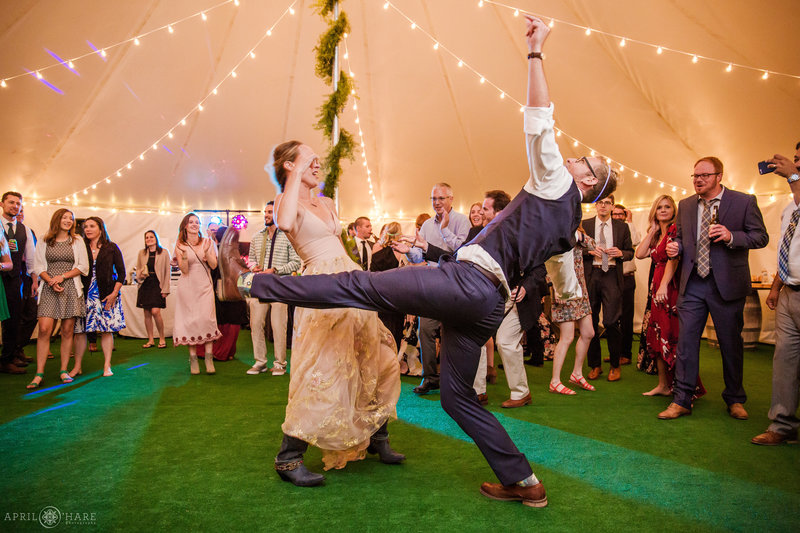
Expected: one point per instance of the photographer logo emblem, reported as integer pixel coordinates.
(49, 517)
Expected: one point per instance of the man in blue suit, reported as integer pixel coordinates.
(717, 227)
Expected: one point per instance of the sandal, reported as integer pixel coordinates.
(162, 344)
(65, 377)
(73, 373)
(148, 345)
(35, 384)
(559, 388)
(581, 381)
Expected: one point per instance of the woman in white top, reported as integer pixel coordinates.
(60, 260)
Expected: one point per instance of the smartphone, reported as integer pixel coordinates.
(763, 168)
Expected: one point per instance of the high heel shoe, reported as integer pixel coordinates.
(65, 377)
(210, 365)
(73, 373)
(35, 384)
(107, 372)
(194, 368)
(559, 388)
(581, 382)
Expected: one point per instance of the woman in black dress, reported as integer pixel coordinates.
(152, 272)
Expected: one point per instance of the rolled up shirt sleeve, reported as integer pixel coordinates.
(549, 178)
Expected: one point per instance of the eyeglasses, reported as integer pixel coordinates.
(605, 202)
(439, 198)
(585, 160)
(618, 215)
(704, 176)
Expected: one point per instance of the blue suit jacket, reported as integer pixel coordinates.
(730, 266)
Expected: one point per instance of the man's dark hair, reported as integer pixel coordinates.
(11, 193)
(271, 202)
(500, 199)
(796, 147)
(619, 206)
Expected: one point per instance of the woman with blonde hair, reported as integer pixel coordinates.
(661, 335)
(60, 261)
(195, 317)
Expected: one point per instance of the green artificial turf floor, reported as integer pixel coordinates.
(155, 449)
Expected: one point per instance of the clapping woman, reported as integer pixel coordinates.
(152, 271)
(60, 260)
(101, 288)
(195, 319)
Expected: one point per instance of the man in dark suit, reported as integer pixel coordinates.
(605, 283)
(716, 228)
(364, 242)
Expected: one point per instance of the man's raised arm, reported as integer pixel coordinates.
(538, 94)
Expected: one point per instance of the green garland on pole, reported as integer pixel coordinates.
(337, 100)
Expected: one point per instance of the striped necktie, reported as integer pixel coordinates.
(703, 242)
(783, 252)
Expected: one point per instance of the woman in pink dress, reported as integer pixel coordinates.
(662, 330)
(195, 319)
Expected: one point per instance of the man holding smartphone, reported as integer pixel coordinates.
(784, 298)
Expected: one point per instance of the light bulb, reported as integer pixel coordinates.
(3, 84)
(460, 63)
(170, 29)
(552, 23)
(694, 58)
(103, 52)
(386, 5)
(291, 10)
(71, 64)
(436, 46)
(729, 68)
(108, 180)
(575, 144)
(155, 146)
(765, 75)
(119, 174)
(233, 74)
(269, 32)
(659, 50)
(413, 25)
(204, 16)
(136, 41)
(516, 12)
(38, 75)
(183, 122)
(141, 156)
(170, 135)
(129, 166)
(502, 95)
(199, 107)
(635, 174)
(483, 80)
(622, 42)
(588, 31)
(252, 55)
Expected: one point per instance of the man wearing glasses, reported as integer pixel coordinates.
(439, 235)
(605, 283)
(716, 228)
(469, 293)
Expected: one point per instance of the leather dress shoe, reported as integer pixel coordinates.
(20, 362)
(613, 374)
(509, 404)
(299, 475)
(595, 373)
(624, 361)
(674, 411)
(483, 399)
(426, 386)
(736, 410)
(773, 438)
(231, 265)
(533, 496)
(10, 368)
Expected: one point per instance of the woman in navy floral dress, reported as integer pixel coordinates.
(101, 289)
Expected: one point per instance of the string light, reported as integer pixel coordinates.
(199, 107)
(660, 49)
(375, 205)
(503, 94)
(136, 40)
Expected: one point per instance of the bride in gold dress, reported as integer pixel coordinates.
(345, 379)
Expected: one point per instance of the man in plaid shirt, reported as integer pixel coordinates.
(270, 253)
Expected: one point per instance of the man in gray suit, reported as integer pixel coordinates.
(717, 227)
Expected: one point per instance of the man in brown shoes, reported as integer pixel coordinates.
(509, 404)
(736, 410)
(532, 496)
(674, 411)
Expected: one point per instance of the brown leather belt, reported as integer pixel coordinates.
(793, 287)
(490, 276)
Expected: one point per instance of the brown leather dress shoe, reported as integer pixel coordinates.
(483, 398)
(10, 368)
(773, 438)
(533, 496)
(736, 410)
(517, 403)
(231, 265)
(595, 373)
(613, 374)
(674, 411)
(624, 361)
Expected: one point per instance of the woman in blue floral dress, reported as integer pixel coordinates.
(101, 289)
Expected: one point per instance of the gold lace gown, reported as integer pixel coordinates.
(345, 378)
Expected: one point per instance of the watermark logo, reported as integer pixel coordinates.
(50, 517)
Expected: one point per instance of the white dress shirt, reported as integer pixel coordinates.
(609, 237)
(794, 245)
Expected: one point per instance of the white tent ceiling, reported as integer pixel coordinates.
(424, 119)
